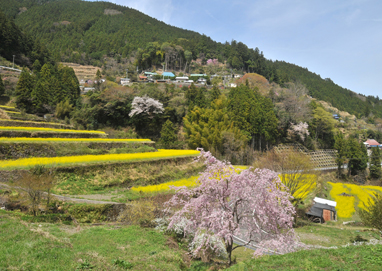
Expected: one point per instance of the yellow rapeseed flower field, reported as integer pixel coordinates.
(5, 106)
(40, 129)
(163, 187)
(89, 159)
(189, 182)
(301, 185)
(346, 204)
(193, 181)
(67, 140)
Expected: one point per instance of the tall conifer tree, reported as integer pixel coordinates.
(24, 88)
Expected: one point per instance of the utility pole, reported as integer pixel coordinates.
(13, 61)
(127, 71)
(137, 74)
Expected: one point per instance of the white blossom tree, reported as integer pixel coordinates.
(300, 130)
(145, 106)
(252, 205)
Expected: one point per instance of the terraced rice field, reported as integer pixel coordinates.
(349, 197)
(70, 140)
(26, 123)
(94, 159)
(40, 129)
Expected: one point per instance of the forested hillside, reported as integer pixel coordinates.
(82, 32)
(327, 90)
(24, 47)
(85, 32)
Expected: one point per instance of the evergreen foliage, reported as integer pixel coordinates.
(253, 114)
(357, 155)
(24, 89)
(2, 87)
(195, 97)
(322, 127)
(42, 91)
(63, 109)
(168, 135)
(15, 42)
(375, 163)
(205, 127)
(341, 146)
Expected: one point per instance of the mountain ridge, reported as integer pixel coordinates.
(83, 32)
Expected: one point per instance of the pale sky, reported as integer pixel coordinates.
(341, 39)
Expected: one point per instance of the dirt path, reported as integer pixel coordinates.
(70, 199)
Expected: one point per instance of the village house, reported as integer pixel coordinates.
(182, 79)
(125, 81)
(202, 81)
(372, 143)
(142, 78)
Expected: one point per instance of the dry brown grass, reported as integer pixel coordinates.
(4, 115)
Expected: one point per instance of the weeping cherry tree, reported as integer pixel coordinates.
(252, 206)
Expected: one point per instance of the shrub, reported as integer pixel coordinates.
(372, 214)
(63, 109)
(141, 212)
(90, 213)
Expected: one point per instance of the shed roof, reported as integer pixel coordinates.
(325, 201)
(170, 74)
(198, 74)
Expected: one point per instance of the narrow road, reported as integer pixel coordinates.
(64, 198)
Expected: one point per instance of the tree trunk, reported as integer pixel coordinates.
(229, 252)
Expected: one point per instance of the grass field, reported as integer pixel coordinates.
(45, 246)
(348, 258)
(34, 246)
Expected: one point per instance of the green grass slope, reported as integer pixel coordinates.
(45, 246)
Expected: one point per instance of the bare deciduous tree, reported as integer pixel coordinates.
(296, 171)
(35, 183)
